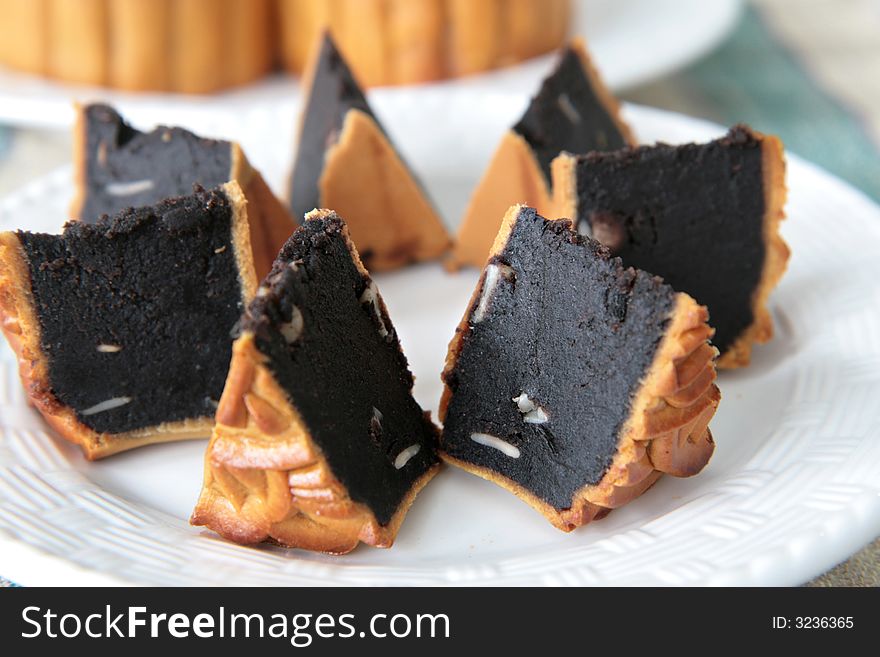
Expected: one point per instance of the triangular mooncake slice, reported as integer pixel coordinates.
(572, 381)
(319, 443)
(705, 217)
(118, 167)
(573, 111)
(345, 161)
(122, 327)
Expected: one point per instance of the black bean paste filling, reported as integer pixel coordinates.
(573, 331)
(567, 115)
(127, 168)
(334, 92)
(350, 384)
(139, 308)
(692, 214)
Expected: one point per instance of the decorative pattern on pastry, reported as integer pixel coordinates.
(705, 217)
(573, 111)
(409, 41)
(345, 161)
(187, 46)
(122, 327)
(319, 443)
(572, 381)
(117, 167)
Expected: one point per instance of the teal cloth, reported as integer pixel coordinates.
(753, 78)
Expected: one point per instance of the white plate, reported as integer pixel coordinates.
(793, 488)
(632, 41)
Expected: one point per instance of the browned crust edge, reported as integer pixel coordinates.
(265, 477)
(563, 171)
(387, 211)
(667, 431)
(21, 327)
(267, 480)
(270, 221)
(776, 256)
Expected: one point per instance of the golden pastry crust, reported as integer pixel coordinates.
(667, 430)
(555, 21)
(187, 46)
(139, 50)
(24, 35)
(360, 28)
(191, 46)
(199, 51)
(475, 33)
(267, 480)
(80, 158)
(270, 221)
(416, 37)
(78, 51)
(563, 171)
(21, 327)
(776, 255)
(519, 30)
(302, 22)
(515, 176)
(364, 180)
(422, 40)
(247, 35)
(241, 239)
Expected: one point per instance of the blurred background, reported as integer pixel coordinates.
(806, 70)
(803, 69)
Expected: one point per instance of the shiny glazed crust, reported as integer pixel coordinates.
(777, 252)
(667, 430)
(267, 480)
(270, 221)
(386, 210)
(21, 327)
